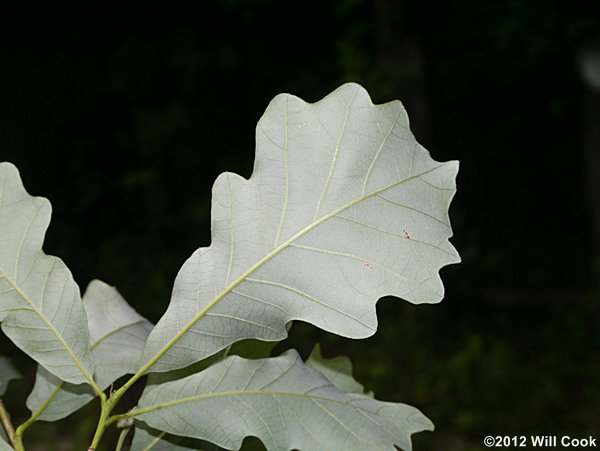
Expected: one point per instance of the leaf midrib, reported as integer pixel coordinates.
(52, 329)
(276, 395)
(237, 393)
(267, 258)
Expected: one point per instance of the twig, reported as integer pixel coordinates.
(8, 426)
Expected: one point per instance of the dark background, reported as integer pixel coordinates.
(124, 117)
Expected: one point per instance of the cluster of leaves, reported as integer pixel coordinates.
(343, 207)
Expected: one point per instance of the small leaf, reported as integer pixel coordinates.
(280, 401)
(4, 440)
(40, 304)
(117, 331)
(52, 399)
(146, 439)
(7, 373)
(118, 334)
(338, 371)
(343, 207)
(4, 446)
(252, 349)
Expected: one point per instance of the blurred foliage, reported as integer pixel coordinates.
(123, 118)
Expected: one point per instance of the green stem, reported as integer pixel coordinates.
(106, 408)
(19, 444)
(20, 431)
(122, 436)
